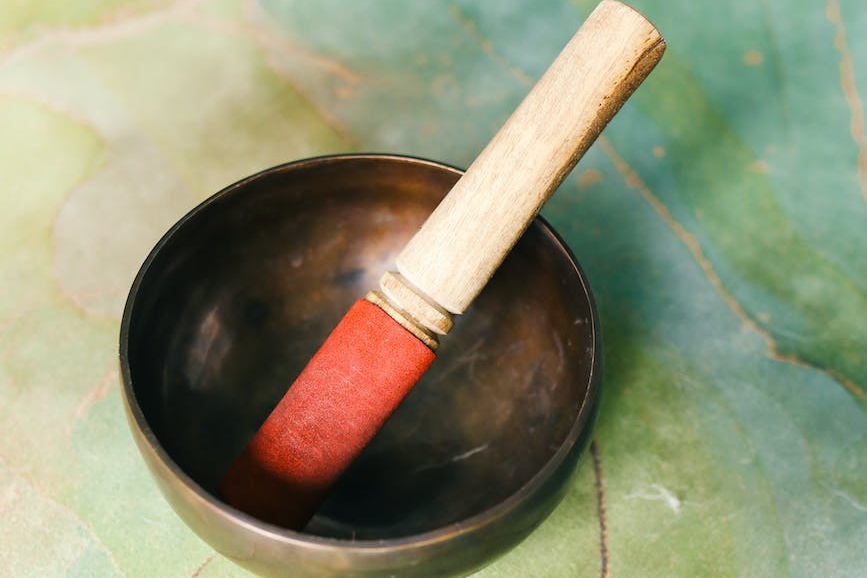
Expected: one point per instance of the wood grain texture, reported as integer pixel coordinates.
(466, 238)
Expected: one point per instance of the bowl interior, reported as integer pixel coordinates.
(238, 296)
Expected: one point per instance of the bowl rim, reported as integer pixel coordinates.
(583, 419)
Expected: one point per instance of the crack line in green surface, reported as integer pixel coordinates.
(180, 11)
(186, 11)
(267, 39)
(201, 567)
(55, 107)
(487, 45)
(99, 32)
(97, 393)
(850, 91)
(601, 508)
(269, 45)
(633, 181)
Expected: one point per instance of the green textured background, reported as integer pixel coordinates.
(722, 220)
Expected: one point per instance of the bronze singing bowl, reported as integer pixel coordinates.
(237, 296)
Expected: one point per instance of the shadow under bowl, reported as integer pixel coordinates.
(236, 297)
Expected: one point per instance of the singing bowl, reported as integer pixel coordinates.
(236, 297)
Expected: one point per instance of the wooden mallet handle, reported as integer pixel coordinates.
(451, 258)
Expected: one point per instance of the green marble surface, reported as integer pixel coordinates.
(722, 220)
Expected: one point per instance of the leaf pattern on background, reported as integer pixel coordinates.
(721, 220)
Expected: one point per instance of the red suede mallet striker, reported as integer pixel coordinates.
(386, 341)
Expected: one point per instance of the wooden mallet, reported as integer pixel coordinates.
(386, 341)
